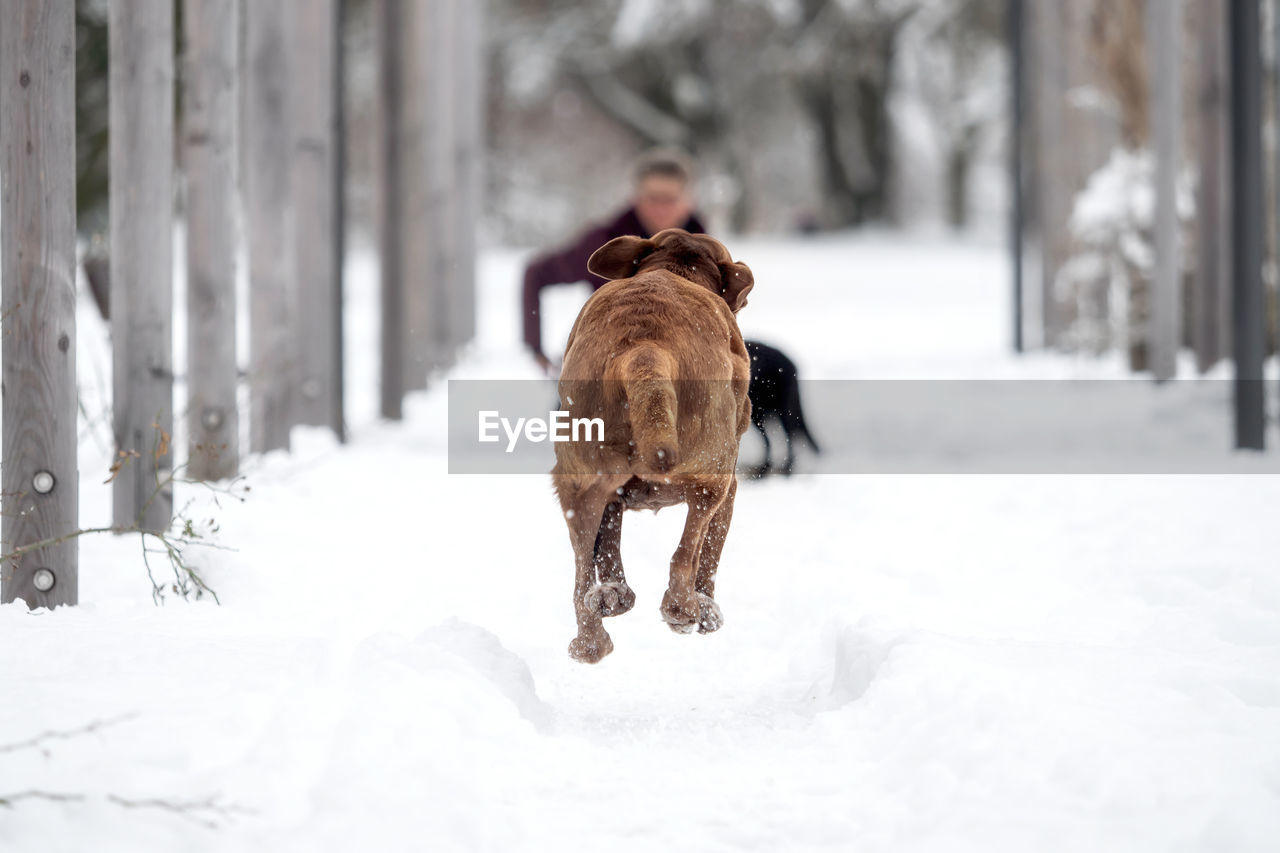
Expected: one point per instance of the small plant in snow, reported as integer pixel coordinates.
(172, 544)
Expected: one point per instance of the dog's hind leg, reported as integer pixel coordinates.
(683, 607)
(583, 501)
(710, 618)
(611, 596)
(713, 543)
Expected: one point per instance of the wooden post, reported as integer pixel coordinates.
(1211, 330)
(1017, 71)
(208, 140)
(38, 309)
(424, 123)
(141, 214)
(1248, 315)
(1164, 40)
(444, 82)
(340, 215)
(470, 147)
(1033, 178)
(317, 246)
(390, 205)
(453, 156)
(268, 222)
(1055, 190)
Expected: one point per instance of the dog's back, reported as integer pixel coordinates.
(661, 360)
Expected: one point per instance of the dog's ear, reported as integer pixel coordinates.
(619, 257)
(736, 282)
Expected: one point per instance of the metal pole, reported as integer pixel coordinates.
(1248, 318)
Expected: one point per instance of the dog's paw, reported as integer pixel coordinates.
(590, 649)
(610, 598)
(680, 612)
(710, 617)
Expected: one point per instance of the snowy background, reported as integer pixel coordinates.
(908, 663)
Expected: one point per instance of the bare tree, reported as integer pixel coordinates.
(751, 88)
(958, 69)
(1119, 45)
(843, 79)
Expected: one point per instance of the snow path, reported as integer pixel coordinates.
(908, 663)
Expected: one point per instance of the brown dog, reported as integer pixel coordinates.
(657, 355)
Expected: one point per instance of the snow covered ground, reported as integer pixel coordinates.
(956, 663)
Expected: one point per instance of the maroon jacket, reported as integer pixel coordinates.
(569, 265)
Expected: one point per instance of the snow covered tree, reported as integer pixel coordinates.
(1107, 277)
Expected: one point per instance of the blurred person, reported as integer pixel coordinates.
(661, 198)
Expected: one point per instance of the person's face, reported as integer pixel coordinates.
(662, 202)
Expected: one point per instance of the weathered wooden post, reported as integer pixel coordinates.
(340, 214)
(390, 204)
(273, 337)
(141, 214)
(452, 182)
(423, 244)
(470, 147)
(316, 94)
(429, 87)
(208, 141)
(38, 309)
(444, 81)
(1164, 40)
(1248, 315)
(1054, 189)
(1015, 21)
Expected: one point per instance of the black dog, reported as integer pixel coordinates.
(775, 392)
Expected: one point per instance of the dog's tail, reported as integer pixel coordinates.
(646, 372)
(793, 416)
